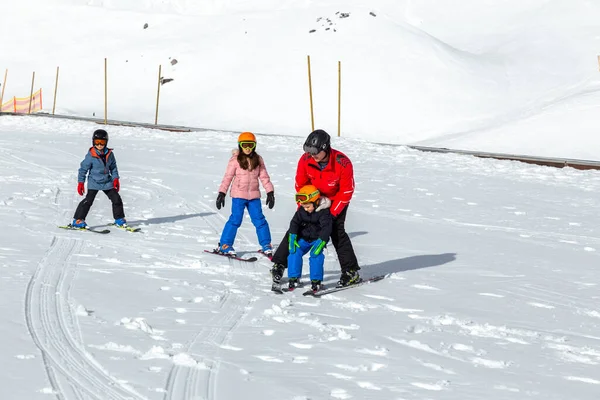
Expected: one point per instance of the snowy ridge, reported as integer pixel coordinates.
(521, 69)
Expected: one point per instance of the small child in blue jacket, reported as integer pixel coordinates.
(100, 167)
(309, 231)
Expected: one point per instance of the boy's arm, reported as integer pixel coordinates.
(84, 167)
(114, 171)
(326, 224)
(295, 223)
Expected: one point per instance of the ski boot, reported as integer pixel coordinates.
(348, 277)
(121, 223)
(227, 250)
(267, 250)
(277, 272)
(293, 283)
(79, 224)
(315, 286)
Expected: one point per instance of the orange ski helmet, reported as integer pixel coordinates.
(247, 140)
(308, 194)
(246, 137)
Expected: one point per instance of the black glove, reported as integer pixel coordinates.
(220, 200)
(270, 200)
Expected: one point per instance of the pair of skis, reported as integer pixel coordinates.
(236, 257)
(277, 288)
(101, 231)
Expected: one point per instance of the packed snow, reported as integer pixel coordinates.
(491, 287)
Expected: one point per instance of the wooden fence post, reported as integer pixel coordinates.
(105, 91)
(55, 90)
(3, 87)
(312, 116)
(157, 96)
(339, 97)
(31, 93)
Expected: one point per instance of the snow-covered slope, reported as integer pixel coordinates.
(492, 287)
(479, 75)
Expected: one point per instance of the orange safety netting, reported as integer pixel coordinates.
(21, 105)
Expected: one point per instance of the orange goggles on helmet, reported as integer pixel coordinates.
(100, 141)
(248, 145)
(306, 198)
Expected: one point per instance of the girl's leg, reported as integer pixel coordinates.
(117, 203)
(316, 266)
(260, 222)
(84, 206)
(234, 222)
(295, 259)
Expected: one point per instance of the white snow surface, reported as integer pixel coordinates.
(491, 289)
(492, 284)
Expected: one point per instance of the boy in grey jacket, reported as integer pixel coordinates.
(100, 166)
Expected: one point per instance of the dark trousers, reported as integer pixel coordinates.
(340, 240)
(84, 206)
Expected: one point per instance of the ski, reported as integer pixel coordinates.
(334, 289)
(215, 252)
(126, 228)
(72, 228)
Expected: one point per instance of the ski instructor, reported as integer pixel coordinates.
(331, 172)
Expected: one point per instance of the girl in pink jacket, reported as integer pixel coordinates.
(244, 170)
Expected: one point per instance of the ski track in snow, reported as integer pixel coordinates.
(198, 380)
(72, 371)
(197, 376)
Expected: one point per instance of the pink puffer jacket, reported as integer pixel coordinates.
(245, 183)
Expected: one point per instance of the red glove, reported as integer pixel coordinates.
(116, 184)
(80, 188)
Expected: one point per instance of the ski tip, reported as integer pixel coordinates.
(216, 252)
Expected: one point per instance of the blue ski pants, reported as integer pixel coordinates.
(315, 263)
(235, 221)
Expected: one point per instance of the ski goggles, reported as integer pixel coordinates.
(312, 150)
(100, 141)
(305, 198)
(248, 145)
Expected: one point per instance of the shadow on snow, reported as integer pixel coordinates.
(352, 235)
(405, 264)
(162, 220)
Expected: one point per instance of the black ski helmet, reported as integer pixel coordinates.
(100, 134)
(317, 141)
